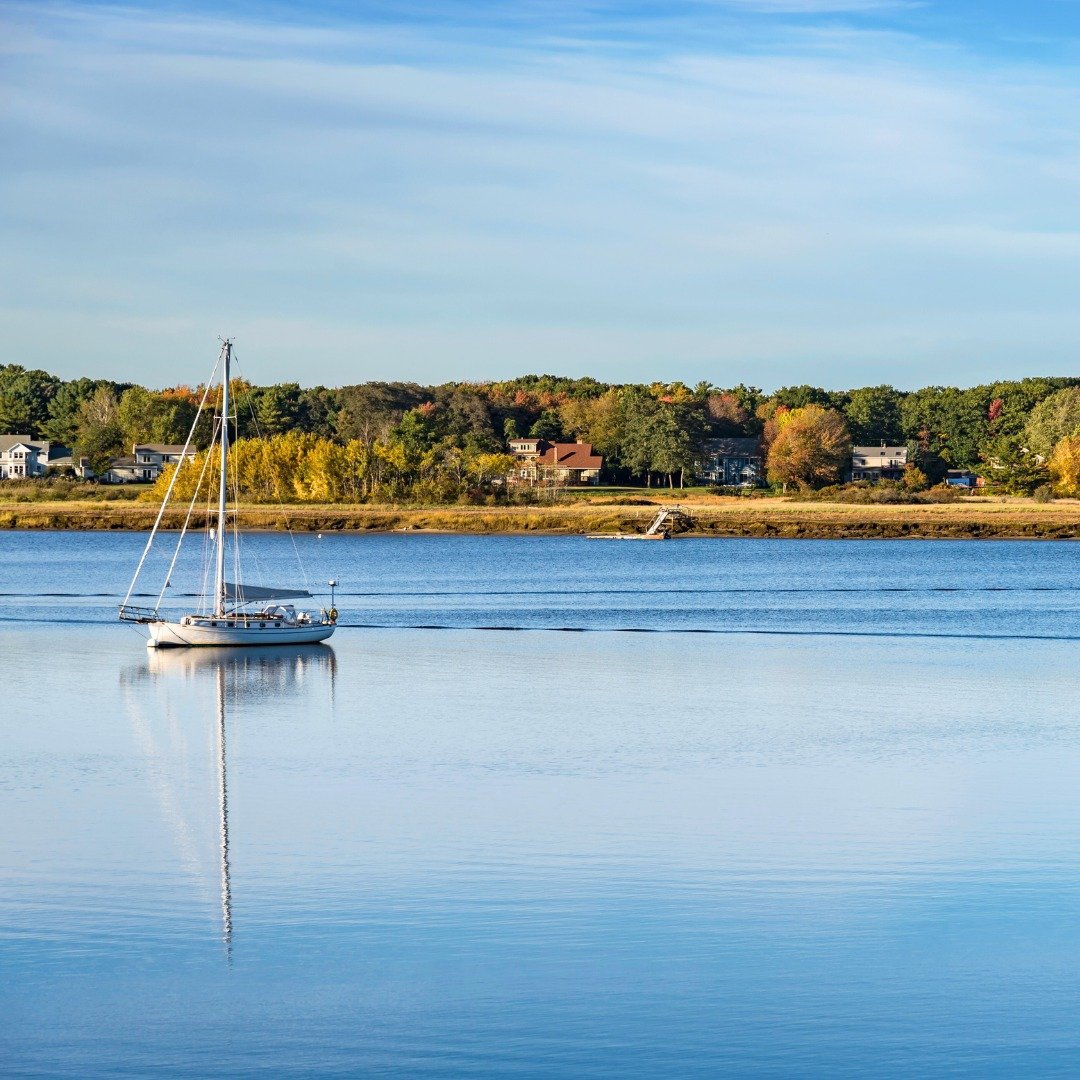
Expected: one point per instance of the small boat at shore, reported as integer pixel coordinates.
(232, 612)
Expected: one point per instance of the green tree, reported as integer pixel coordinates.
(873, 416)
(946, 425)
(1010, 464)
(62, 425)
(99, 435)
(639, 414)
(671, 444)
(148, 417)
(368, 411)
(24, 400)
(795, 397)
(1053, 418)
(547, 426)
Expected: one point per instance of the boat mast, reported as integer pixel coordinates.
(223, 817)
(219, 585)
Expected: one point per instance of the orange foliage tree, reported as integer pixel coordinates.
(810, 448)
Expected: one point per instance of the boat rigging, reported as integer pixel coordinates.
(231, 614)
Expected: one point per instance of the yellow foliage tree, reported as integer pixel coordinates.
(1064, 466)
(294, 467)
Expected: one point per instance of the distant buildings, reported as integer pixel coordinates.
(876, 463)
(732, 463)
(21, 457)
(539, 460)
(962, 478)
(145, 463)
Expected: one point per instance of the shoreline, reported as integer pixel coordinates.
(972, 518)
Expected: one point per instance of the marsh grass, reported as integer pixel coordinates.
(51, 489)
(967, 517)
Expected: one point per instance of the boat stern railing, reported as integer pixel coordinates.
(131, 613)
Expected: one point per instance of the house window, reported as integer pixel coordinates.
(146, 474)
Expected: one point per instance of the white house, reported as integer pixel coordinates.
(875, 463)
(21, 456)
(145, 463)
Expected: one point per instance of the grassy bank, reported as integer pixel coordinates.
(712, 516)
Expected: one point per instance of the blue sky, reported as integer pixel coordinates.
(841, 192)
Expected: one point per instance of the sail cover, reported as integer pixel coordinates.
(247, 594)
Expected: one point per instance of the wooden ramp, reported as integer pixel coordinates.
(659, 528)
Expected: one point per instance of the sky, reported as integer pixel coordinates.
(839, 192)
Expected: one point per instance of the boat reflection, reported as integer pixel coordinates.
(257, 673)
(249, 670)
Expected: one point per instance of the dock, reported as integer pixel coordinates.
(659, 529)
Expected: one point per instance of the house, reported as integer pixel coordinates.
(732, 463)
(145, 463)
(876, 463)
(527, 447)
(962, 478)
(21, 456)
(539, 460)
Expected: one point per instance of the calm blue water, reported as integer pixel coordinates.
(837, 834)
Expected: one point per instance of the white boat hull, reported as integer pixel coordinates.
(168, 635)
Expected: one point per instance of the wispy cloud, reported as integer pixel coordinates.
(816, 7)
(422, 200)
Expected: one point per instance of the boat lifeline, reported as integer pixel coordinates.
(233, 613)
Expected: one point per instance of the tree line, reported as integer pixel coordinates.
(402, 439)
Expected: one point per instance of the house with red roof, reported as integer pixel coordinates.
(541, 461)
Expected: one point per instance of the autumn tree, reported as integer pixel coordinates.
(811, 448)
(595, 420)
(727, 415)
(1064, 467)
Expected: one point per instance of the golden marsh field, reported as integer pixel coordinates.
(972, 517)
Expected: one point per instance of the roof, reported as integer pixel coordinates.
(735, 447)
(571, 456)
(9, 441)
(878, 457)
(123, 462)
(159, 448)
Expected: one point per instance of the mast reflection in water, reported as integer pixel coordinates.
(240, 676)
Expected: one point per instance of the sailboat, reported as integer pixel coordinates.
(233, 613)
